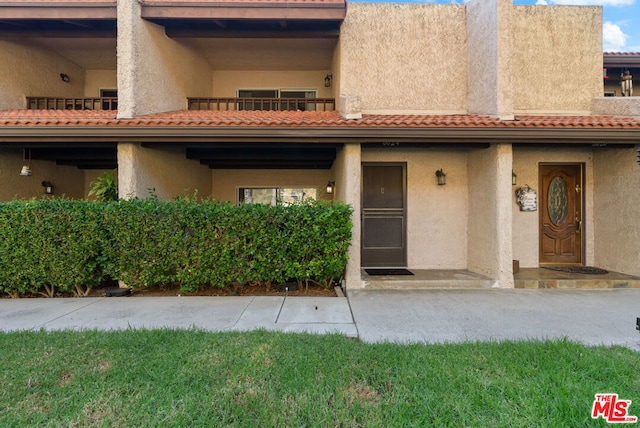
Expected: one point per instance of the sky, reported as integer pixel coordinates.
(620, 19)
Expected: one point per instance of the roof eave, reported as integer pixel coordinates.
(181, 134)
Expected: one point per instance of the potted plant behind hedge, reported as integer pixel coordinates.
(104, 188)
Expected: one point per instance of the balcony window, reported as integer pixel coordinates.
(276, 99)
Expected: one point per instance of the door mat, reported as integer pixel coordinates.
(375, 272)
(579, 269)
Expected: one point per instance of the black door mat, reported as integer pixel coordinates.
(374, 272)
(579, 269)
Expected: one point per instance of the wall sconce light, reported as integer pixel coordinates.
(48, 187)
(442, 177)
(514, 176)
(26, 169)
(330, 186)
(327, 80)
(64, 77)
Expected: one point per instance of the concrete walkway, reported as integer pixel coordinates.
(592, 317)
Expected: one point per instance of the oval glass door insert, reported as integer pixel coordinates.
(558, 201)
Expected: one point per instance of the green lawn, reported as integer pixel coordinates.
(169, 378)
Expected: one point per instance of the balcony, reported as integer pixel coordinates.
(273, 104)
(46, 103)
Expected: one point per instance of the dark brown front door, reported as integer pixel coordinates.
(383, 215)
(560, 200)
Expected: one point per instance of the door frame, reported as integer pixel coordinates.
(582, 204)
(403, 165)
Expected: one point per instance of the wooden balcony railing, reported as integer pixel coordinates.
(46, 103)
(276, 104)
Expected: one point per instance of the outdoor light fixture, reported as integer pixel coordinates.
(26, 169)
(513, 178)
(442, 177)
(327, 80)
(64, 77)
(330, 186)
(638, 156)
(48, 187)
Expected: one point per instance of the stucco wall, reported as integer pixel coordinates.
(489, 234)
(616, 210)
(489, 57)
(28, 70)
(99, 79)
(436, 215)
(525, 223)
(166, 170)
(225, 83)
(153, 75)
(557, 58)
(404, 57)
(67, 180)
(227, 181)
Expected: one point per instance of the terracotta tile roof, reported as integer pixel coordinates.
(296, 119)
(622, 53)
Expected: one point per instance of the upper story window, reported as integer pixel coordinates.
(276, 99)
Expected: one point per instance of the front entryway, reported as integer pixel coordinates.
(383, 215)
(560, 214)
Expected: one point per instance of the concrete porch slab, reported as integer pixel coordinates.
(546, 278)
(425, 279)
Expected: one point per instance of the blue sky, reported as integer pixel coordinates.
(620, 19)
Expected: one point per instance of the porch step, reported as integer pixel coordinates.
(428, 279)
(544, 278)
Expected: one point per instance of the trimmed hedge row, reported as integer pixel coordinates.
(49, 246)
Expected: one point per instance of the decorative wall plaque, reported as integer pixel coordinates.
(527, 198)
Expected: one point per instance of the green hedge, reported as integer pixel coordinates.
(51, 246)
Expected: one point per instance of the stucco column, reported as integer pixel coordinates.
(152, 76)
(490, 214)
(347, 171)
(166, 171)
(489, 53)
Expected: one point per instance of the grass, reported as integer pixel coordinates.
(167, 378)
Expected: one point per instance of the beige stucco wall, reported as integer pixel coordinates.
(525, 223)
(67, 180)
(490, 237)
(226, 83)
(557, 58)
(155, 73)
(347, 174)
(616, 106)
(489, 49)
(436, 215)
(403, 57)
(99, 79)
(227, 181)
(166, 170)
(616, 209)
(28, 70)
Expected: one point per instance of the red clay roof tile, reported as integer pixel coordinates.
(294, 119)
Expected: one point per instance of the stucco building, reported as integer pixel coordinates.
(243, 100)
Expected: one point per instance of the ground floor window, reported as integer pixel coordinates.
(275, 195)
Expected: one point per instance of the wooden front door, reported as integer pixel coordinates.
(383, 215)
(561, 205)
